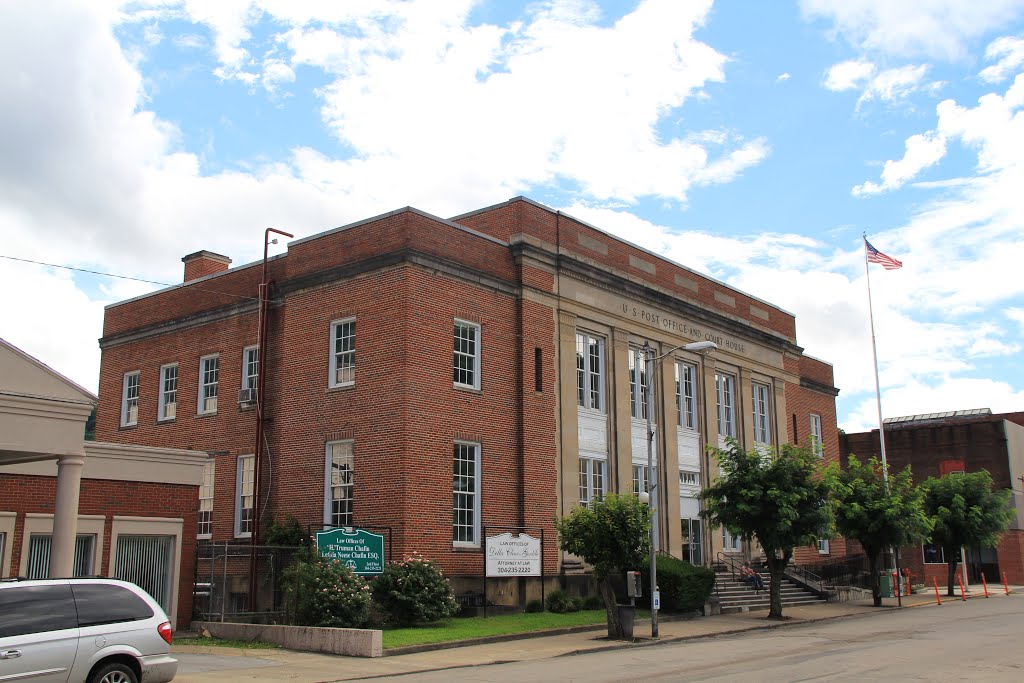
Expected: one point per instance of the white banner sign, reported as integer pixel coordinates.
(509, 555)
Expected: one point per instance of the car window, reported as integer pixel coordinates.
(100, 603)
(36, 609)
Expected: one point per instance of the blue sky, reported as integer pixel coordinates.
(751, 141)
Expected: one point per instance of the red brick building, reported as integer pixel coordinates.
(939, 444)
(439, 376)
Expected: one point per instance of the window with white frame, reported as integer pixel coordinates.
(641, 482)
(338, 493)
(592, 480)
(209, 372)
(689, 478)
(823, 548)
(816, 443)
(466, 494)
(343, 352)
(168, 407)
(130, 400)
(637, 383)
(466, 358)
(686, 395)
(693, 541)
(244, 495)
(730, 543)
(250, 374)
(725, 390)
(761, 403)
(204, 526)
(589, 371)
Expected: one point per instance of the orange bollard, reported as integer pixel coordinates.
(935, 581)
(1006, 585)
(896, 584)
(984, 584)
(963, 594)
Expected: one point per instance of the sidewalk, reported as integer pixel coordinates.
(286, 665)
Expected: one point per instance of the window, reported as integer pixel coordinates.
(637, 384)
(725, 389)
(589, 371)
(762, 426)
(338, 492)
(36, 609)
(730, 543)
(250, 374)
(686, 395)
(538, 369)
(933, 554)
(130, 400)
(823, 548)
(591, 480)
(168, 392)
(244, 497)
(99, 603)
(209, 370)
(204, 527)
(816, 444)
(466, 360)
(693, 551)
(688, 478)
(641, 482)
(39, 555)
(343, 353)
(466, 494)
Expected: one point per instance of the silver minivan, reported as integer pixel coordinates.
(82, 631)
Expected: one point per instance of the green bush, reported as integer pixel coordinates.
(324, 592)
(288, 533)
(684, 587)
(414, 591)
(593, 602)
(534, 606)
(559, 602)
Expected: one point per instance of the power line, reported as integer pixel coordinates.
(126, 277)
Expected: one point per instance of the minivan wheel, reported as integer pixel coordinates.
(115, 672)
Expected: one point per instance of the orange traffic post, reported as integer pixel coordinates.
(984, 584)
(963, 594)
(935, 581)
(1006, 585)
(896, 584)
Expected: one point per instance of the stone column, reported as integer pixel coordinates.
(65, 515)
(618, 403)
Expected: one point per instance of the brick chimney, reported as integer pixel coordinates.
(203, 263)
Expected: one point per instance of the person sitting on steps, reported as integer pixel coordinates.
(751, 577)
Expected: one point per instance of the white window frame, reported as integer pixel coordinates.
(590, 381)
(593, 479)
(343, 359)
(165, 393)
(725, 398)
(206, 500)
(474, 494)
(761, 402)
(823, 547)
(130, 390)
(638, 383)
(473, 356)
(203, 395)
(817, 446)
(251, 363)
(245, 471)
(730, 543)
(330, 485)
(688, 475)
(686, 395)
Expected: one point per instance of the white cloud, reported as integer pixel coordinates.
(890, 85)
(922, 151)
(852, 74)
(782, 77)
(1009, 53)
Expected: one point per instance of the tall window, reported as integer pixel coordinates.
(130, 400)
(591, 480)
(725, 389)
(244, 495)
(686, 395)
(466, 494)
(466, 359)
(209, 371)
(816, 443)
(823, 547)
(589, 371)
(762, 428)
(637, 384)
(168, 392)
(343, 352)
(250, 374)
(39, 546)
(338, 493)
(641, 482)
(204, 528)
(693, 551)
(731, 543)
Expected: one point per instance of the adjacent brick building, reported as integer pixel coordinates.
(440, 376)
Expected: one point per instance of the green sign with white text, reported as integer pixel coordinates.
(359, 549)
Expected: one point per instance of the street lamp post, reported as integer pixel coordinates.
(652, 484)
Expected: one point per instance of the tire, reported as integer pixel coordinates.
(114, 672)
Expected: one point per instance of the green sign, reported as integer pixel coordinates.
(361, 550)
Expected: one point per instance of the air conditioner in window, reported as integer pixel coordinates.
(247, 396)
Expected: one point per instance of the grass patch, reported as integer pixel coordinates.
(221, 642)
(480, 627)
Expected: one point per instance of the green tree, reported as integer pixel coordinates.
(612, 536)
(876, 516)
(965, 511)
(779, 500)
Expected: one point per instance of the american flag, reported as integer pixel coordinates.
(875, 256)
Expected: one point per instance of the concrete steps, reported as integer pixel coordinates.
(736, 596)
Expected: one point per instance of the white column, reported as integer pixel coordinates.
(65, 515)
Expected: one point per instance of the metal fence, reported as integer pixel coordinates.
(222, 582)
(848, 571)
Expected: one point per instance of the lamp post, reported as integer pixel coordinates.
(652, 485)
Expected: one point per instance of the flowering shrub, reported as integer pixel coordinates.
(414, 591)
(324, 592)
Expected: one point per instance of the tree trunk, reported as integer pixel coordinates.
(777, 567)
(952, 574)
(615, 630)
(876, 583)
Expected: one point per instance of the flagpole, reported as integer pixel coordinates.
(874, 353)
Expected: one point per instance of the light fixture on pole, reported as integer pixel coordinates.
(652, 485)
